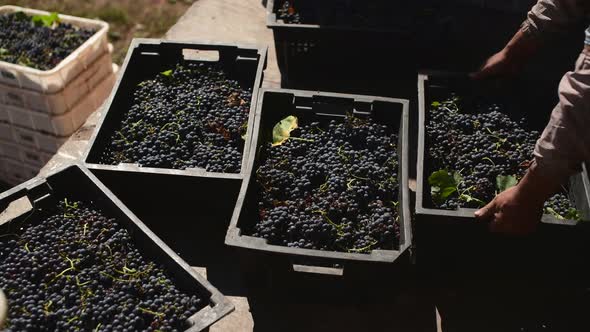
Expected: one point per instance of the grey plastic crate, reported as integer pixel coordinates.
(436, 86)
(77, 182)
(273, 106)
(455, 240)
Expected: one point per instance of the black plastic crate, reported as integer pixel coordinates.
(148, 57)
(275, 105)
(159, 186)
(77, 182)
(331, 56)
(454, 237)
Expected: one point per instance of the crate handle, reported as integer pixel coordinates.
(15, 209)
(192, 54)
(3, 309)
(334, 271)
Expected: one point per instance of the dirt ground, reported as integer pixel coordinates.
(127, 18)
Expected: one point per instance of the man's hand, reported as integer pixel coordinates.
(510, 59)
(498, 65)
(512, 212)
(518, 210)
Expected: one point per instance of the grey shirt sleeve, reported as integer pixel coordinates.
(565, 142)
(554, 15)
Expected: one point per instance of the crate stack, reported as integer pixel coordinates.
(41, 109)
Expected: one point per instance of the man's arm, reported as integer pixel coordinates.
(544, 19)
(565, 142)
(563, 146)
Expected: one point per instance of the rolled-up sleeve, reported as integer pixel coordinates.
(565, 142)
(549, 16)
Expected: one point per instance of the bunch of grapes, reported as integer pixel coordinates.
(192, 116)
(480, 143)
(332, 187)
(37, 46)
(77, 270)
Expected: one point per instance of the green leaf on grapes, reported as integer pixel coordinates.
(572, 214)
(468, 198)
(504, 182)
(45, 20)
(435, 104)
(167, 73)
(443, 184)
(282, 130)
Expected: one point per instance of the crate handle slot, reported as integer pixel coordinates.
(200, 55)
(8, 75)
(15, 209)
(334, 271)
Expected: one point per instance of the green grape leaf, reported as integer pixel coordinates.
(45, 20)
(443, 184)
(282, 130)
(504, 182)
(573, 214)
(435, 104)
(468, 198)
(244, 131)
(167, 73)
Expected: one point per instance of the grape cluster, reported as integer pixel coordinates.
(193, 116)
(561, 207)
(333, 187)
(77, 270)
(40, 47)
(480, 142)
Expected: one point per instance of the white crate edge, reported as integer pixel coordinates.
(60, 102)
(55, 79)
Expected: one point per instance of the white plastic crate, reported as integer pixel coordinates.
(62, 101)
(16, 172)
(65, 124)
(55, 79)
(36, 140)
(6, 132)
(24, 155)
